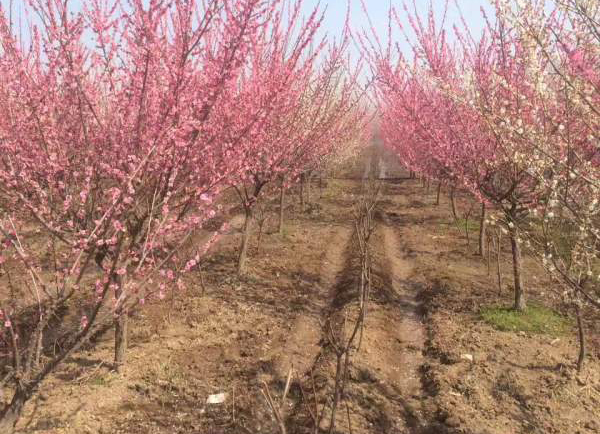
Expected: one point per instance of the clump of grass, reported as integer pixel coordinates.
(287, 233)
(100, 381)
(460, 224)
(473, 224)
(535, 319)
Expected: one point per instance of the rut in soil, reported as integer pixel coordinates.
(385, 392)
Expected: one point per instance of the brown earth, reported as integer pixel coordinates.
(517, 382)
(410, 375)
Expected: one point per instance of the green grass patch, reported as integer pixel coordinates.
(332, 190)
(460, 224)
(535, 319)
(473, 224)
(287, 233)
(100, 381)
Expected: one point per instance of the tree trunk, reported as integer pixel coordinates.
(489, 255)
(39, 344)
(520, 303)
(467, 227)
(281, 206)
(498, 270)
(482, 229)
(12, 412)
(581, 335)
(261, 225)
(320, 185)
(336, 393)
(439, 191)
(121, 324)
(302, 203)
(245, 241)
(453, 203)
(308, 189)
(428, 186)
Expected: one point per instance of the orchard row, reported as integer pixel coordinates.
(512, 118)
(120, 126)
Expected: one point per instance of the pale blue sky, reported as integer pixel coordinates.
(335, 15)
(377, 9)
(378, 13)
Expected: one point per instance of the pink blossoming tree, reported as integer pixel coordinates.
(115, 137)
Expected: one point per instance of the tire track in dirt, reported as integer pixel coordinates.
(300, 346)
(411, 330)
(402, 290)
(316, 372)
(385, 393)
(390, 362)
(407, 328)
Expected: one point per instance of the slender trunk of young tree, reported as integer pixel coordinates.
(320, 185)
(281, 206)
(439, 191)
(467, 228)
(482, 229)
(428, 186)
(336, 393)
(453, 203)
(520, 303)
(121, 330)
(121, 340)
(302, 203)
(245, 241)
(121, 324)
(12, 412)
(249, 201)
(308, 177)
(489, 255)
(38, 349)
(498, 269)
(261, 224)
(581, 335)
(262, 220)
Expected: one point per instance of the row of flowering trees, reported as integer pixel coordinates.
(513, 119)
(120, 124)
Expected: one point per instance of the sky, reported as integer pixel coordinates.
(335, 14)
(377, 10)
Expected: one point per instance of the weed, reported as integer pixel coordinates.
(100, 381)
(473, 226)
(535, 319)
(287, 233)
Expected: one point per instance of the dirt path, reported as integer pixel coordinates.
(385, 393)
(406, 334)
(409, 332)
(390, 364)
(299, 346)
